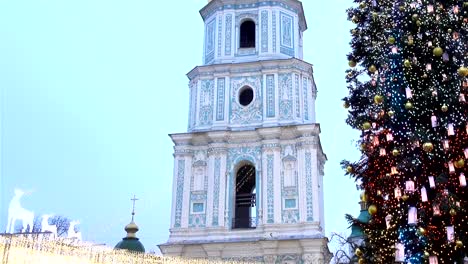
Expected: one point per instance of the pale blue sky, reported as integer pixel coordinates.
(91, 89)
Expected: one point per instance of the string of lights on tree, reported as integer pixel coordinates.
(408, 91)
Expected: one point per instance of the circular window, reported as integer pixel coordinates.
(246, 96)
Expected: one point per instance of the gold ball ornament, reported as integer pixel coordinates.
(402, 8)
(372, 210)
(366, 126)
(459, 244)
(372, 68)
(453, 212)
(358, 252)
(352, 63)
(362, 4)
(395, 152)
(349, 169)
(444, 108)
(426, 255)
(378, 99)
(391, 40)
(449, 30)
(361, 261)
(422, 231)
(415, 16)
(459, 163)
(437, 51)
(407, 63)
(346, 105)
(355, 19)
(418, 23)
(428, 146)
(390, 113)
(463, 71)
(408, 105)
(404, 197)
(363, 147)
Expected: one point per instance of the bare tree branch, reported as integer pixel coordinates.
(62, 224)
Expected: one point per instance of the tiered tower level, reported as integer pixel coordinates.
(248, 174)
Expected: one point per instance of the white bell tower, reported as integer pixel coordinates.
(248, 174)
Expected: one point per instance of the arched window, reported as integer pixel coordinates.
(245, 197)
(247, 34)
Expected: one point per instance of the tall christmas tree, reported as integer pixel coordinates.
(408, 88)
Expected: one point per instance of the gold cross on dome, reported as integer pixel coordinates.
(134, 199)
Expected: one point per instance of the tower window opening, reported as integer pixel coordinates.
(245, 202)
(246, 96)
(247, 34)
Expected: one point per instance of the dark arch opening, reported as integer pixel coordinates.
(247, 34)
(245, 198)
(246, 96)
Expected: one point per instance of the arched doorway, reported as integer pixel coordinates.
(245, 197)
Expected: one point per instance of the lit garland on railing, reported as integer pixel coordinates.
(408, 84)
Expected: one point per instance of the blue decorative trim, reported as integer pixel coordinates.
(191, 102)
(210, 41)
(306, 98)
(257, 259)
(289, 259)
(273, 26)
(270, 190)
(286, 30)
(286, 34)
(270, 83)
(197, 220)
(206, 102)
(228, 41)
(179, 192)
(308, 170)
(249, 6)
(220, 34)
(217, 175)
(220, 100)
(252, 113)
(264, 21)
(297, 96)
(285, 106)
(287, 51)
(198, 195)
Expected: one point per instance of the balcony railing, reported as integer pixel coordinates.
(250, 222)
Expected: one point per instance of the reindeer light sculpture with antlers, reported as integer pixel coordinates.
(17, 212)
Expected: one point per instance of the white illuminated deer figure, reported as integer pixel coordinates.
(71, 231)
(17, 212)
(46, 227)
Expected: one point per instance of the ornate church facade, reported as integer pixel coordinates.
(248, 173)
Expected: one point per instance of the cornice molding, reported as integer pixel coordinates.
(227, 69)
(267, 135)
(223, 5)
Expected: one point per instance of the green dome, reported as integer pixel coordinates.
(364, 217)
(131, 244)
